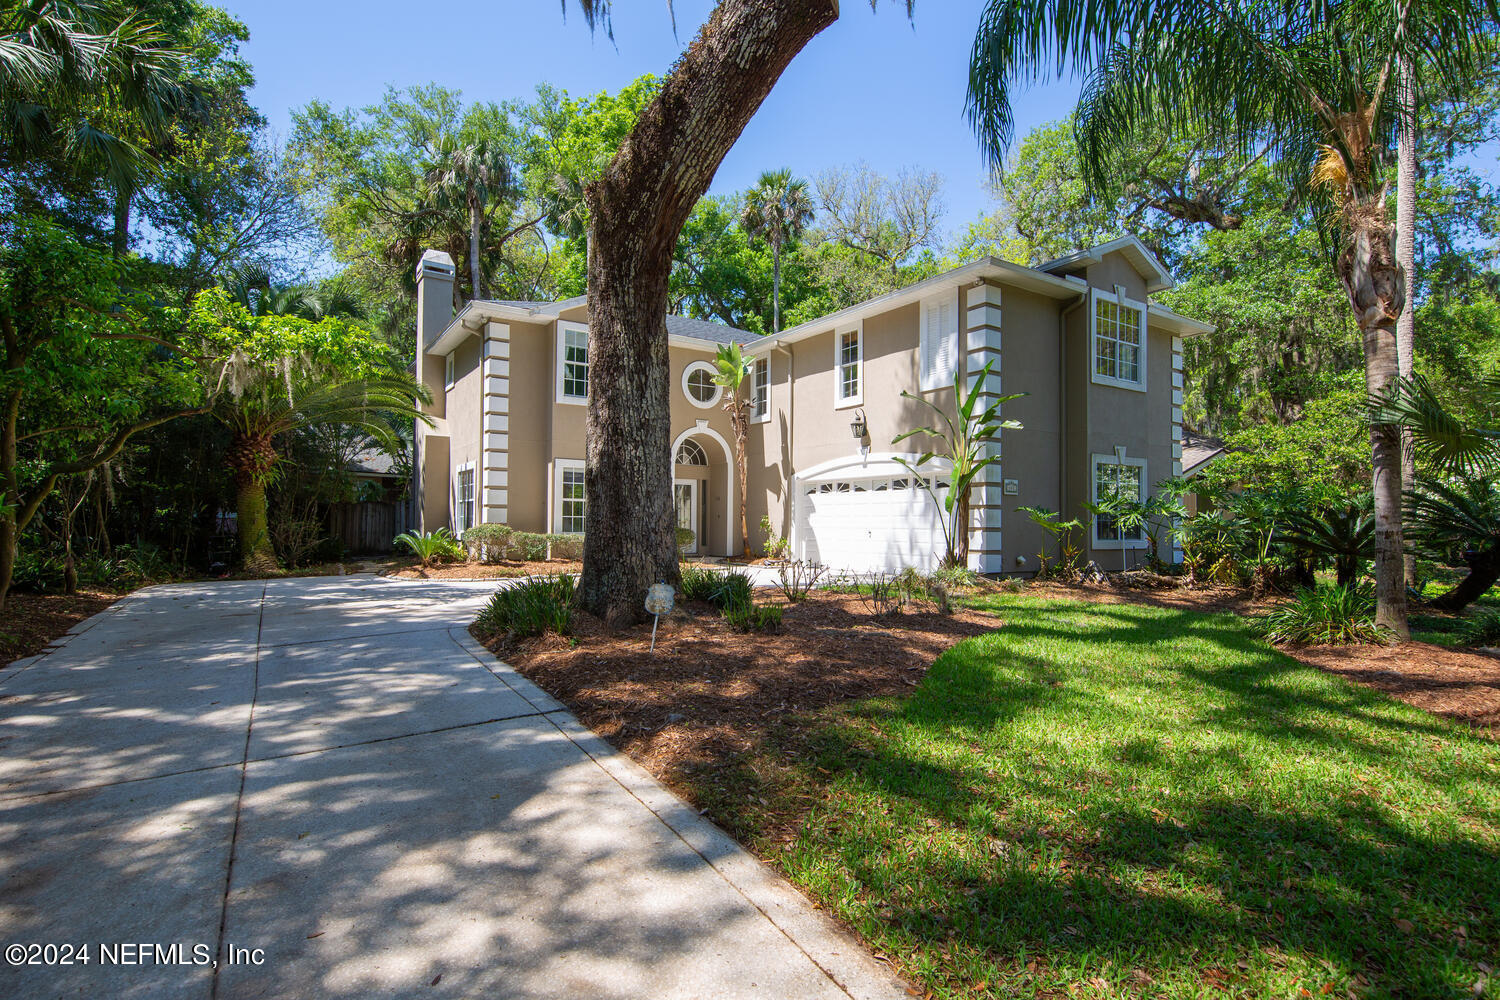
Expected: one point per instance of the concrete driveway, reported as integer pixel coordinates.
(325, 788)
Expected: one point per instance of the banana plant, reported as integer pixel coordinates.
(962, 440)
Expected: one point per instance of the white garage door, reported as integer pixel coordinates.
(851, 520)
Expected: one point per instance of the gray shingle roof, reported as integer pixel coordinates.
(1198, 450)
(677, 326)
(702, 329)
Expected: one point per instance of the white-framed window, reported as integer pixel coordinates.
(569, 510)
(690, 452)
(1126, 478)
(760, 391)
(448, 371)
(938, 342)
(698, 384)
(463, 499)
(848, 368)
(572, 363)
(1119, 328)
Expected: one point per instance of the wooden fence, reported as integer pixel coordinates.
(368, 528)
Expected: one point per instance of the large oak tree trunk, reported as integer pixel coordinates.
(636, 211)
(1376, 288)
(1406, 256)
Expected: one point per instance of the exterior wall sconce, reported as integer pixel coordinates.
(859, 427)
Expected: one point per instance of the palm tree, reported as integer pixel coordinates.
(778, 209)
(1344, 534)
(732, 368)
(470, 176)
(1307, 85)
(69, 71)
(261, 401)
(1454, 505)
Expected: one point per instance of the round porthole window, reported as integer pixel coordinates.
(699, 386)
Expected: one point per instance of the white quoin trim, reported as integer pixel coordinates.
(731, 475)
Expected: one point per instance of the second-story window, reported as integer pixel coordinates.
(847, 373)
(760, 390)
(1119, 356)
(572, 363)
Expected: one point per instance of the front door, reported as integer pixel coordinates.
(685, 500)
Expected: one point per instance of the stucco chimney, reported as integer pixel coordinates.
(430, 445)
(434, 313)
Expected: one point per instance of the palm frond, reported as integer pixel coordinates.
(1442, 441)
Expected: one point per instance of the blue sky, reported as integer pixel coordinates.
(873, 87)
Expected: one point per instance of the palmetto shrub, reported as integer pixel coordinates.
(1325, 616)
(433, 546)
(531, 607)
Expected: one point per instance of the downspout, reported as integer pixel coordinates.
(1062, 403)
(788, 512)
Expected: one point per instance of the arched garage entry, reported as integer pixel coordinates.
(868, 513)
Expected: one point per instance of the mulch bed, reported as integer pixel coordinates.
(485, 571)
(31, 622)
(1459, 683)
(709, 694)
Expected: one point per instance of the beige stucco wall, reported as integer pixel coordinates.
(461, 403)
(1067, 417)
(541, 429)
(530, 426)
(1032, 456)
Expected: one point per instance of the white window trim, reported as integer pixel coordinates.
(693, 366)
(1115, 543)
(934, 383)
(559, 466)
(858, 399)
(562, 327)
(457, 502)
(448, 367)
(764, 417)
(1097, 294)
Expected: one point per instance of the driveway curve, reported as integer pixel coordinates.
(324, 787)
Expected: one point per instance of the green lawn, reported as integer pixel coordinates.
(1454, 629)
(1127, 800)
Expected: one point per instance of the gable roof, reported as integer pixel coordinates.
(702, 329)
(1137, 253)
(1198, 450)
(1047, 279)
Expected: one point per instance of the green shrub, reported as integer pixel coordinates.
(749, 617)
(531, 607)
(954, 577)
(1325, 616)
(502, 543)
(488, 542)
(565, 546)
(721, 588)
(434, 546)
(776, 548)
(697, 583)
(1482, 628)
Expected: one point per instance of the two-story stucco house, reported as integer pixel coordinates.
(1101, 366)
